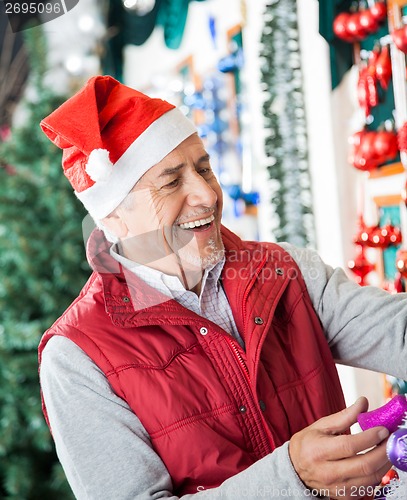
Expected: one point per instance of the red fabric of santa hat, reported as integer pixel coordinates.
(111, 135)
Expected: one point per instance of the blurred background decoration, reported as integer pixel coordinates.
(42, 267)
(131, 22)
(14, 64)
(286, 143)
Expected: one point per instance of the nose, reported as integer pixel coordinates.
(200, 193)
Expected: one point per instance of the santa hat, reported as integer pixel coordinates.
(111, 135)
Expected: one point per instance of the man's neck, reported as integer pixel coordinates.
(171, 265)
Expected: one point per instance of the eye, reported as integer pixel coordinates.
(171, 184)
(204, 171)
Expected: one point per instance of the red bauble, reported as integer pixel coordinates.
(340, 26)
(367, 149)
(362, 235)
(383, 67)
(355, 27)
(398, 283)
(385, 145)
(400, 38)
(360, 266)
(391, 474)
(401, 262)
(394, 236)
(357, 138)
(379, 11)
(377, 238)
(367, 21)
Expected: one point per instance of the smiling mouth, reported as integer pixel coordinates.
(198, 225)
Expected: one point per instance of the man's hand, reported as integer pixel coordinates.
(326, 459)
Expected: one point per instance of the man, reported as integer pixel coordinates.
(193, 363)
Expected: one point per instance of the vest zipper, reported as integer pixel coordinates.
(240, 360)
(270, 440)
(245, 370)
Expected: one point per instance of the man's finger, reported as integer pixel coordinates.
(364, 469)
(348, 445)
(340, 422)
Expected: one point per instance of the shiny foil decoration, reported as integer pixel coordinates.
(390, 415)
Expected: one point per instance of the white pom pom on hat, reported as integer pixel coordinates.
(99, 167)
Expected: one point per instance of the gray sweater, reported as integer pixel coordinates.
(364, 326)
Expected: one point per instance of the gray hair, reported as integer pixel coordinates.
(124, 205)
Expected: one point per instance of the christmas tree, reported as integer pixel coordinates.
(42, 268)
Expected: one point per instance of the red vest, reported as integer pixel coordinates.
(211, 409)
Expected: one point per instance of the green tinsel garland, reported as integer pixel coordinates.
(285, 123)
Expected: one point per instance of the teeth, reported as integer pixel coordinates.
(197, 223)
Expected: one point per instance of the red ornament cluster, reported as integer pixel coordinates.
(377, 236)
(371, 237)
(353, 27)
(371, 148)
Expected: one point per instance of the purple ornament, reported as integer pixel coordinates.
(397, 449)
(390, 415)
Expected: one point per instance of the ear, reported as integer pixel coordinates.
(116, 225)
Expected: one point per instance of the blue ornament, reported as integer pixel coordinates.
(231, 62)
(397, 449)
(212, 29)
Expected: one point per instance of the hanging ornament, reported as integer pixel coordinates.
(399, 284)
(385, 145)
(213, 30)
(231, 62)
(362, 154)
(373, 148)
(377, 238)
(362, 235)
(340, 27)
(368, 21)
(360, 266)
(399, 37)
(367, 94)
(383, 67)
(379, 11)
(401, 262)
(392, 234)
(357, 25)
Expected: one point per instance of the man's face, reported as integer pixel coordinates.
(174, 212)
